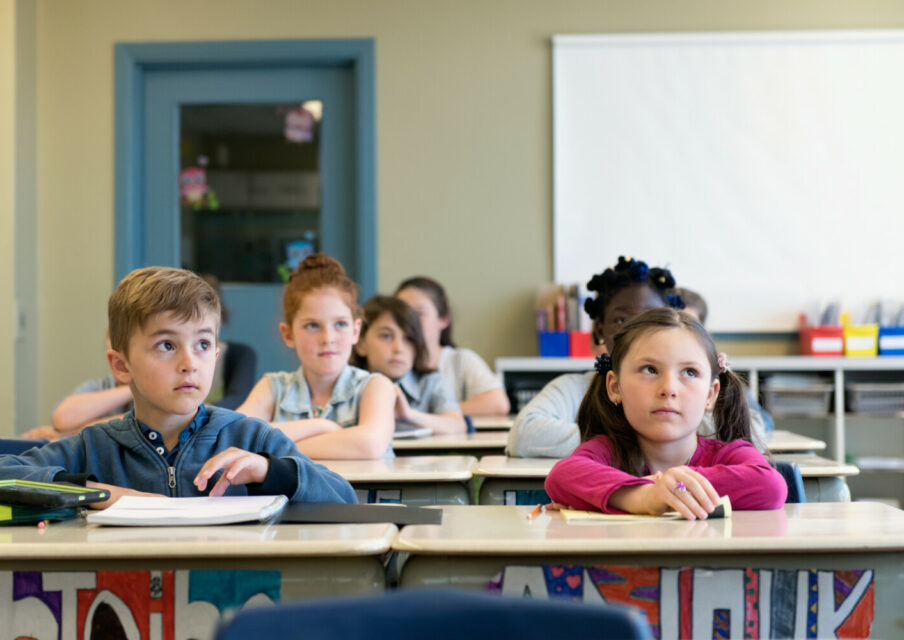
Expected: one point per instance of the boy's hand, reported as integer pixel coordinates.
(239, 467)
(115, 494)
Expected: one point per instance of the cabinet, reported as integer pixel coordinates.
(873, 441)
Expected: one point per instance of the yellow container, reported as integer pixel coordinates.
(862, 340)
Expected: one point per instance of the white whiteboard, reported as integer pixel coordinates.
(765, 169)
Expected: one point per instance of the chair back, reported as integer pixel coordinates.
(439, 614)
(791, 473)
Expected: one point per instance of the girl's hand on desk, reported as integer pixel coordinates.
(115, 494)
(684, 490)
(239, 467)
(402, 408)
(47, 432)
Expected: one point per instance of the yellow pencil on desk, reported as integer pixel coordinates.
(536, 511)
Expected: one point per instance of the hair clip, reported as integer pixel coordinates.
(723, 362)
(676, 301)
(603, 364)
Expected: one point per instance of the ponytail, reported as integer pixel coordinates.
(731, 414)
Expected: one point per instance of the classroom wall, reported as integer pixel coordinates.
(464, 139)
(7, 207)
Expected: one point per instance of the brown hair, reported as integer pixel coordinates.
(692, 300)
(407, 320)
(598, 415)
(437, 294)
(146, 292)
(318, 271)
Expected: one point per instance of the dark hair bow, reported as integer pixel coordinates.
(638, 270)
(603, 364)
(676, 301)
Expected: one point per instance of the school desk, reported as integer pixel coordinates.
(824, 479)
(787, 441)
(477, 444)
(413, 480)
(159, 580)
(493, 423)
(511, 481)
(770, 573)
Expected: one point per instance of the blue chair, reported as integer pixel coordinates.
(791, 473)
(15, 446)
(439, 614)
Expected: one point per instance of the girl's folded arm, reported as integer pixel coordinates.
(259, 403)
(584, 481)
(370, 438)
(743, 474)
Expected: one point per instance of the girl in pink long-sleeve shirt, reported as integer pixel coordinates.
(640, 451)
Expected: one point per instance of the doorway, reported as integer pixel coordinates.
(238, 159)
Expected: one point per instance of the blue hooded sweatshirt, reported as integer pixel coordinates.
(117, 453)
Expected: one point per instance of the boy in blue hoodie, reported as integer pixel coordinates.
(163, 326)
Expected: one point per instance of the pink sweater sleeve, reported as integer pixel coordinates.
(741, 472)
(586, 478)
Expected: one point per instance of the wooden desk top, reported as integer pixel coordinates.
(77, 540)
(405, 469)
(506, 530)
(453, 442)
(490, 423)
(780, 440)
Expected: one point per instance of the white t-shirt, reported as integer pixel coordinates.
(466, 371)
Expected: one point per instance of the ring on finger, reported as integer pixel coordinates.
(679, 487)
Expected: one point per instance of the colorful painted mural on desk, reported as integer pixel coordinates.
(713, 603)
(126, 605)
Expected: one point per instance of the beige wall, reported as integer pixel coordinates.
(463, 125)
(7, 208)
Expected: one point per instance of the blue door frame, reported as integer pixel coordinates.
(135, 61)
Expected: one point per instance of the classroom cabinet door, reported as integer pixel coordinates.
(244, 170)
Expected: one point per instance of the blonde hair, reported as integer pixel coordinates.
(318, 271)
(146, 292)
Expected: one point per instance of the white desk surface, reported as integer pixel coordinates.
(451, 442)
(780, 440)
(813, 466)
(489, 423)
(505, 467)
(405, 469)
(824, 526)
(77, 540)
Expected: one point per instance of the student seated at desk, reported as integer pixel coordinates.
(331, 409)
(392, 344)
(641, 452)
(547, 426)
(163, 336)
(477, 388)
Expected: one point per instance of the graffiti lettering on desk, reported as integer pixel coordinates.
(131, 605)
(713, 603)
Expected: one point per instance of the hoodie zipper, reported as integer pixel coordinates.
(172, 478)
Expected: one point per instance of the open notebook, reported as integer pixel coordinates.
(722, 510)
(141, 511)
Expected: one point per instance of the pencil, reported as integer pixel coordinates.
(535, 512)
